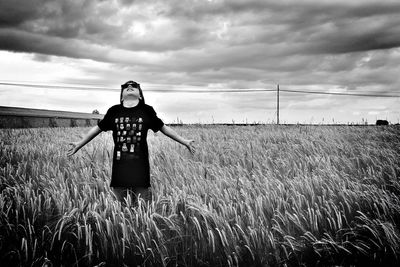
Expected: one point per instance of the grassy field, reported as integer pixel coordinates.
(250, 196)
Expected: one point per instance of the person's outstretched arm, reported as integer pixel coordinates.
(89, 136)
(173, 135)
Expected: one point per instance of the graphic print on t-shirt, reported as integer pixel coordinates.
(129, 133)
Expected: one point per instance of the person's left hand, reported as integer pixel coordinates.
(75, 147)
(190, 145)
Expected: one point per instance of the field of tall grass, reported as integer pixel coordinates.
(250, 196)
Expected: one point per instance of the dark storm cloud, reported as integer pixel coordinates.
(14, 13)
(353, 36)
(312, 27)
(97, 23)
(352, 23)
(16, 41)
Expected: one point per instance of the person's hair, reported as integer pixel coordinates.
(135, 85)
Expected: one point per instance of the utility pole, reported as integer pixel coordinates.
(277, 106)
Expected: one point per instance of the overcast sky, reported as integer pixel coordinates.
(80, 52)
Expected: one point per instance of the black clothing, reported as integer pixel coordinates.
(131, 166)
(122, 192)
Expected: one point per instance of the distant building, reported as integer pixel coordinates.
(382, 122)
(11, 117)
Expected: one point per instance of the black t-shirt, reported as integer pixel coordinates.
(131, 166)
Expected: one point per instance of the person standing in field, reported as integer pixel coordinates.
(129, 121)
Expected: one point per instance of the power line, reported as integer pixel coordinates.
(208, 90)
(62, 87)
(332, 93)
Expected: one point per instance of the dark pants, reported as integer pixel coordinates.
(121, 193)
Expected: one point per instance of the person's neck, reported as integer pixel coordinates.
(130, 103)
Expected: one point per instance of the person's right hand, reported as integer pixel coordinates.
(75, 147)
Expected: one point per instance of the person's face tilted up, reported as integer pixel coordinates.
(131, 91)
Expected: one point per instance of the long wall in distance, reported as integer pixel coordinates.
(12, 117)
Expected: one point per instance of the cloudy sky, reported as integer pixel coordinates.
(74, 55)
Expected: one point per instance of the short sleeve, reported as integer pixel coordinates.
(155, 122)
(106, 123)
